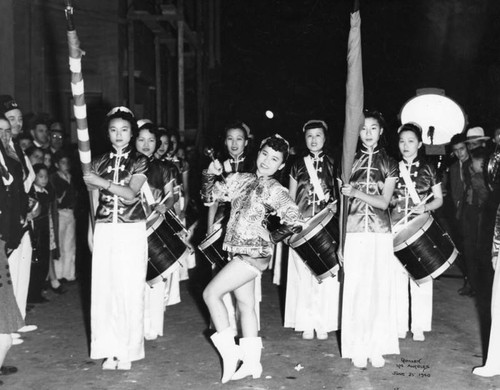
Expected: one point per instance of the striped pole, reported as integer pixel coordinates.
(77, 90)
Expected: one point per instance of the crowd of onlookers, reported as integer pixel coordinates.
(475, 200)
(37, 216)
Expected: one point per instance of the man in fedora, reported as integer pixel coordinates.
(476, 138)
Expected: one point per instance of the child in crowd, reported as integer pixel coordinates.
(65, 194)
(35, 155)
(25, 141)
(43, 236)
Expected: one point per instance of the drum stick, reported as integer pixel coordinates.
(154, 212)
(169, 193)
(405, 219)
(211, 153)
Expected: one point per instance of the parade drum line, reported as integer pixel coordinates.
(211, 247)
(424, 248)
(165, 245)
(317, 244)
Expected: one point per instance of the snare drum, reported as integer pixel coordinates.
(317, 244)
(211, 247)
(165, 245)
(424, 248)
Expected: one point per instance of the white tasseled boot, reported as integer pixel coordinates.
(229, 351)
(252, 350)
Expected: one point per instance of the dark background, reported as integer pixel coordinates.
(289, 56)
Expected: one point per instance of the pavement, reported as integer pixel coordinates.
(56, 356)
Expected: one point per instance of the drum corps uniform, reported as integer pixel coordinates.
(252, 199)
(369, 313)
(161, 293)
(234, 165)
(309, 304)
(423, 177)
(118, 262)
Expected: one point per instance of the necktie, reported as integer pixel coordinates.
(11, 152)
(3, 171)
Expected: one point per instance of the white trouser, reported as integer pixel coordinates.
(65, 266)
(20, 269)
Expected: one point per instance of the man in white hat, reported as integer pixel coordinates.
(476, 138)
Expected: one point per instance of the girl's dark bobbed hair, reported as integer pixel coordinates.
(375, 114)
(413, 127)
(278, 143)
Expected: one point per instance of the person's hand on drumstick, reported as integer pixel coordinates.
(161, 208)
(419, 209)
(332, 206)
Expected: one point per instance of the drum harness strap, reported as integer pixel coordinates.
(147, 193)
(314, 178)
(410, 185)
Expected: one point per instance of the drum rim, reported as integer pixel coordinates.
(447, 264)
(177, 219)
(209, 239)
(300, 238)
(155, 225)
(174, 267)
(332, 272)
(421, 230)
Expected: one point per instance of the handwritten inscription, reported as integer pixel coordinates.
(415, 368)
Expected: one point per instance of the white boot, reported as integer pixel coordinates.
(229, 351)
(252, 350)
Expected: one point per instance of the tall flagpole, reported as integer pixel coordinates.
(77, 90)
(354, 117)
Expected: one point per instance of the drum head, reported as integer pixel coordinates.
(314, 225)
(432, 109)
(410, 232)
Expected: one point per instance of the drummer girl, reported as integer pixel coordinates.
(417, 179)
(252, 197)
(160, 183)
(369, 320)
(234, 160)
(175, 154)
(119, 247)
(311, 306)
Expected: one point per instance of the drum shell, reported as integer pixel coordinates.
(211, 247)
(317, 245)
(424, 249)
(165, 247)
